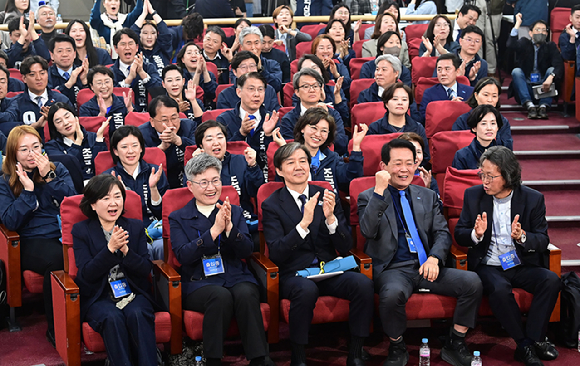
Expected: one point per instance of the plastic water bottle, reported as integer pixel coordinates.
(374, 7)
(579, 341)
(59, 21)
(425, 353)
(476, 360)
(198, 361)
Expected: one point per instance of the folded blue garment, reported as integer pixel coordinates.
(336, 265)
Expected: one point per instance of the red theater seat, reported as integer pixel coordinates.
(303, 48)
(233, 147)
(423, 67)
(356, 65)
(212, 114)
(356, 87)
(441, 114)
(137, 118)
(153, 155)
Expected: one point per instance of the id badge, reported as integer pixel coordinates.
(120, 288)
(411, 243)
(213, 265)
(509, 260)
(535, 77)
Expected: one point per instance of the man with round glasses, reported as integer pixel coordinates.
(503, 223)
(473, 66)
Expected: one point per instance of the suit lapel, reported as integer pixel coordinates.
(419, 214)
(487, 207)
(290, 207)
(318, 214)
(391, 214)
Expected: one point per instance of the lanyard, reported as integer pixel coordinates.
(219, 241)
(399, 215)
(315, 162)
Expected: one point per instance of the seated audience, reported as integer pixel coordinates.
(105, 103)
(25, 42)
(538, 62)
(425, 7)
(468, 15)
(156, 39)
(448, 88)
(389, 43)
(234, 41)
(127, 148)
(308, 86)
(64, 75)
(244, 62)
(473, 66)
(111, 249)
(8, 114)
(190, 30)
(46, 18)
(341, 11)
(304, 225)
(390, 6)
(386, 23)
(197, 231)
(107, 24)
(484, 121)
(324, 48)
(283, 17)
(387, 70)
(438, 39)
(133, 71)
(487, 91)
(412, 257)
(79, 31)
(14, 9)
(250, 121)
(190, 60)
(213, 45)
(569, 36)
(500, 218)
(31, 190)
(272, 53)
(337, 30)
(397, 99)
(306, 8)
(14, 85)
(174, 84)
(68, 137)
(169, 133)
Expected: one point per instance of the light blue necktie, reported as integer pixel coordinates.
(412, 228)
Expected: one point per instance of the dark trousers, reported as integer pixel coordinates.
(396, 285)
(303, 294)
(219, 304)
(42, 256)
(541, 282)
(128, 334)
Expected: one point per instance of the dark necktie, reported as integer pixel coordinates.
(458, 36)
(66, 75)
(450, 94)
(412, 228)
(39, 101)
(303, 200)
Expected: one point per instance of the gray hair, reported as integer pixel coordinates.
(394, 61)
(308, 72)
(250, 30)
(200, 163)
(507, 163)
(45, 6)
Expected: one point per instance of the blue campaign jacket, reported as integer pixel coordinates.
(33, 214)
(335, 171)
(160, 55)
(281, 58)
(118, 112)
(341, 108)
(451, 47)
(140, 89)
(85, 153)
(56, 81)
(228, 98)
(382, 127)
(15, 85)
(97, 23)
(343, 71)
(221, 62)
(246, 180)
(16, 54)
(94, 260)
(142, 188)
(371, 94)
(174, 155)
(28, 111)
(259, 142)
(8, 111)
(468, 157)
(567, 49)
(271, 71)
(368, 72)
(209, 88)
(313, 7)
(191, 240)
(504, 135)
(437, 92)
(340, 139)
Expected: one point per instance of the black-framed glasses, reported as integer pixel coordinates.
(204, 184)
(486, 177)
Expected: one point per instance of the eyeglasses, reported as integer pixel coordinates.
(310, 87)
(205, 183)
(108, 82)
(250, 67)
(252, 90)
(471, 40)
(126, 44)
(442, 25)
(172, 119)
(486, 177)
(540, 30)
(26, 150)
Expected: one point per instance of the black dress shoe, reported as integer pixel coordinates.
(398, 355)
(456, 353)
(546, 350)
(365, 355)
(528, 356)
(50, 337)
(355, 362)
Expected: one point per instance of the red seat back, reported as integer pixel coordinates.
(356, 65)
(363, 28)
(371, 149)
(367, 113)
(280, 46)
(312, 29)
(220, 88)
(444, 145)
(71, 214)
(422, 67)
(413, 47)
(303, 48)
(293, 69)
(456, 182)
(118, 91)
(83, 96)
(229, 31)
(559, 19)
(282, 111)
(356, 87)
(153, 155)
(414, 31)
(15, 73)
(212, 114)
(211, 67)
(12, 94)
(233, 147)
(441, 115)
(288, 92)
(272, 148)
(357, 47)
(137, 118)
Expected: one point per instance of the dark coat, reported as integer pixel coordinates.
(335, 171)
(437, 92)
(228, 98)
(16, 55)
(281, 58)
(246, 180)
(271, 71)
(548, 56)
(55, 81)
(118, 112)
(140, 90)
(468, 157)
(504, 135)
(567, 49)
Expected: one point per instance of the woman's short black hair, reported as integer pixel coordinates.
(390, 92)
(99, 69)
(482, 83)
(122, 132)
(331, 23)
(311, 117)
(383, 39)
(430, 35)
(98, 187)
(481, 111)
(53, 109)
(507, 163)
(200, 131)
(318, 63)
(267, 31)
(241, 56)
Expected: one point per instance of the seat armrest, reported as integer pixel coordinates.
(555, 264)
(10, 254)
(458, 257)
(568, 82)
(268, 277)
(67, 317)
(365, 262)
(168, 292)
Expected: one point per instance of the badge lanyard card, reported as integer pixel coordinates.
(410, 242)
(213, 265)
(510, 259)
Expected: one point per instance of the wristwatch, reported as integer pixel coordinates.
(50, 175)
(552, 75)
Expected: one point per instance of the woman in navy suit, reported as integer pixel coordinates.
(210, 238)
(111, 254)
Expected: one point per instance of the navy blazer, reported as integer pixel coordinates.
(94, 260)
(341, 108)
(8, 110)
(271, 71)
(56, 81)
(15, 85)
(288, 250)
(228, 98)
(504, 135)
(140, 89)
(526, 202)
(378, 224)
(567, 49)
(281, 58)
(368, 72)
(191, 240)
(437, 92)
(468, 157)
(118, 112)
